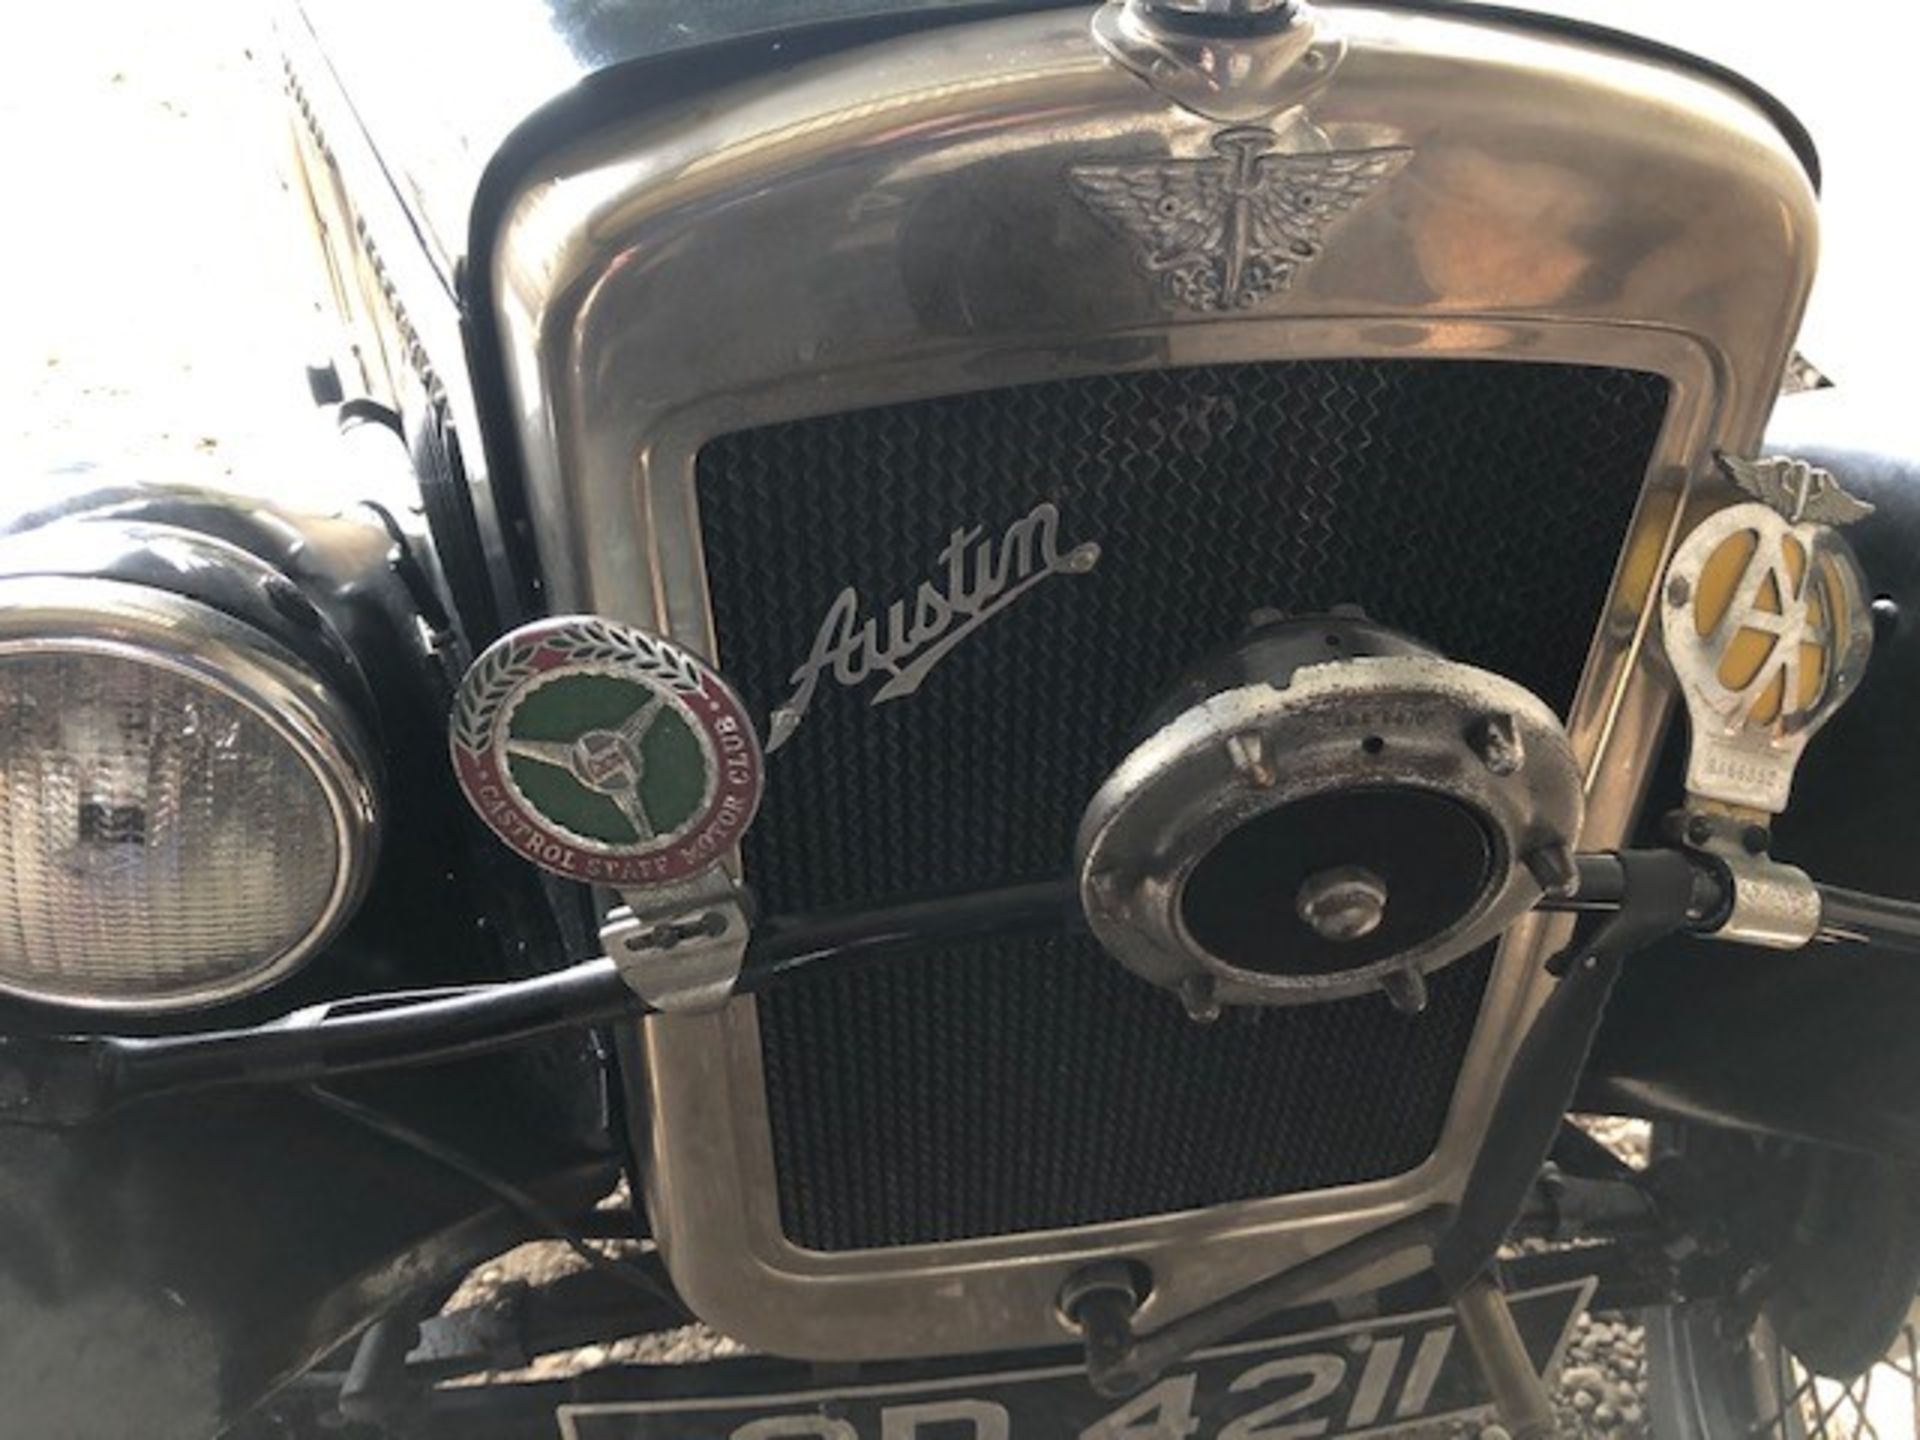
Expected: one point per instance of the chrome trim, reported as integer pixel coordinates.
(1262, 70)
(1187, 786)
(894, 223)
(1214, 7)
(157, 628)
(1774, 905)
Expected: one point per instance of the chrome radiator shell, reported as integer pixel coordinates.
(769, 253)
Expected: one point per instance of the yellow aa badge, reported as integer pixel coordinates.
(1767, 628)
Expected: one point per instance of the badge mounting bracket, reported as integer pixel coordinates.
(681, 948)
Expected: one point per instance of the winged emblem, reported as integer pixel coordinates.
(1798, 490)
(1231, 231)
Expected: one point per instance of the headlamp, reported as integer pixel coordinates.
(187, 811)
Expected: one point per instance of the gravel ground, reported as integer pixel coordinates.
(1602, 1382)
(156, 326)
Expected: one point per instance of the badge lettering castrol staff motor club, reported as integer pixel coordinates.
(606, 754)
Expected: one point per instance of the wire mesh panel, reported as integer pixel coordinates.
(1477, 505)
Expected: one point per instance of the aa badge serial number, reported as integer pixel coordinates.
(1371, 1378)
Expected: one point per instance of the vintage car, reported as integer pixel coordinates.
(1009, 697)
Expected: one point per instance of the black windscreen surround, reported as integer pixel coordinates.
(1477, 505)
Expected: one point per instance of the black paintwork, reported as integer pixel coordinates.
(1819, 1042)
(160, 1270)
(516, 58)
(184, 554)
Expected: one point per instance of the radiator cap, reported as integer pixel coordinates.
(1326, 809)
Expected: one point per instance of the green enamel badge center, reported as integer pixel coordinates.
(606, 758)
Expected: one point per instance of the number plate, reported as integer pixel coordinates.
(1370, 1378)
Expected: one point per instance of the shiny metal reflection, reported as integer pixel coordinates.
(111, 622)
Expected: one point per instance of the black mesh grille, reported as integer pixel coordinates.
(1477, 505)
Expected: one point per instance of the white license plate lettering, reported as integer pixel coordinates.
(1163, 1411)
(1310, 1379)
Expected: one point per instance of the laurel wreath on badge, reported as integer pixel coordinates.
(503, 667)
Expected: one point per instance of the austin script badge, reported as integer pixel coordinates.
(978, 579)
(1232, 231)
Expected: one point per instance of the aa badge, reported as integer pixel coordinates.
(605, 754)
(1767, 627)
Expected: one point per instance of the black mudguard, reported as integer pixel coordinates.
(1820, 1043)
